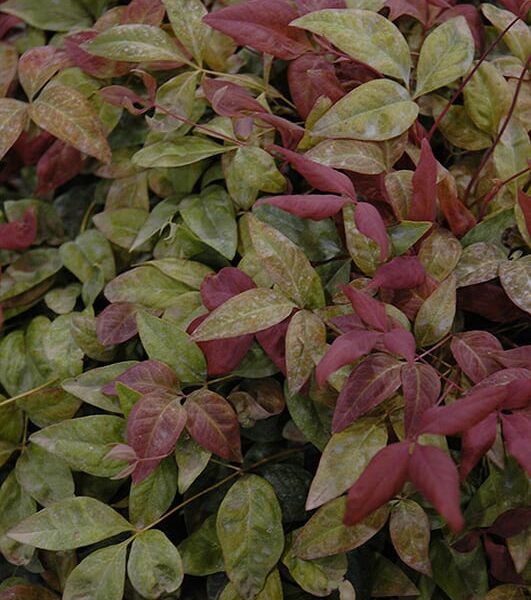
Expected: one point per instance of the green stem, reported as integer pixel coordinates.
(28, 393)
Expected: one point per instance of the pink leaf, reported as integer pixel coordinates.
(347, 323)
(475, 442)
(228, 282)
(118, 95)
(345, 349)
(517, 436)
(146, 377)
(421, 387)
(401, 272)
(370, 223)
(122, 452)
(290, 133)
(382, 479)
(370, 383)
(423, 201)
(117, 323)
(434, 474)
(153, 428)
(459, 218)
(518, 394)
(368, 309)
(262, 25)
(59, 164)
(308, 6)
(400, 341)
(31, 148)
(213, 424)
(418, 9)
(229, 99)
(19, 234)
(34, 60)
(96, 66)
(147, 12)
(474, 352)
(273, 341)
(516, 357)
(315, 207)
(473, 18)
(524, 201)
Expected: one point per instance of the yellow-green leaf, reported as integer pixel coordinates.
(13, 120)
(436, 315)
(185, 151)
(515, 277)
(517, 38)
(64, 15)
(186, 18)
(410, 532)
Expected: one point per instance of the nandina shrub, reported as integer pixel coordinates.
(265, 286)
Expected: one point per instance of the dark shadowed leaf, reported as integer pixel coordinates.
(390, 580)
(201, 552)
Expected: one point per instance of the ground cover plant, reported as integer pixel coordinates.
(265, 287)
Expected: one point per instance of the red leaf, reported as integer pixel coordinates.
(345, 349)
(516, 357)
(462, 414)
(418, 9)
(8, 22)
(229, 99)
(228, 282)
(39, 57)
(99, 67)
(117, 323)
(423, 205)
(524, 201)
(290, 133)
(400, 341)
(505, 377)
(262, 25)
(517, 436)
(459, 218)
(19, 234)
(402, 272)
(146, 377)
(153, 428)
(273, 341)
(421, 387)
(315, 207)
(370, 223)
(434, 474)
(489, 301)
(511, 522)
(318, 176)
(368, 309)
(30, 148)
(308, 6)
(382, 479)
(370, 383)
(475, 442)
(500, 562)
(118, 95)
(59, 164)
(147, 12)
(473, 18)
(474, 351)
(518, 394)
(213, 424)
(347, 323)
(517, 7)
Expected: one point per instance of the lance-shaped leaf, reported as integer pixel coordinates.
(67, 114)
(315, 206)
(220, 287)
(382, 479)
(154, 566)
(186, 21)
(445, 55)
(117, 323)
(370, 383)
(179, 153)
(410, 532)
(473, 351)
(249, 528)
(70, 523)
(436, 315)
(60, 16)
(401, 272)
(516, 433)
(213, 424)
(229, 99)
(248, 312)
(423, 201)
(38, 65)
(375, 111)
(365, 36)
(370, 223)
(263, 27)
(400, 341)
(13, 121)
(475, 442)
(421, 387)
(286, 264)
(434, 474)
(100, 576)
(145, 377)
(345, 456)
(370, 310)
(153, 428)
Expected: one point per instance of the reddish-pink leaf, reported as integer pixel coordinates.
(370, 383)
(273, 341)
(516, 357)
(8, 22)
(423, 201)
(524, 201)
(348, 322)
(368, 309)
(118, 95)
(382, 479)
(153, 428)
(99, 67)
(229, 282)
(434, 474)
(475, 442)
(518, 394)
(517, 7)
(400, 341)
(146, 377)
(418, 9)
(308, 6)
(345, 349)
(474, 352)
(147, 12)
(30, 149)
(517, 436)
(213, 424)
(39, 64)
(473, 18)
(370, 223)
(19, 234)
(229, 99)
(122, 452)
(459, 218)
(401, 272)
(290, 133)
(262, 25)
(117, 323)
(315, 207)
(504, 378)
(318, 176)
(421, 387)
(462, 414)
(59, 164)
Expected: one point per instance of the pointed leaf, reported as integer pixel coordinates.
(475, 443)
(19, 234)
(314, 206)
(370, 310)
(179, 153)
(201, 552)
(423, 202)
(436, 315)
(117, 323)
(191, 460)
(410, 532)
(186, 21)
(13, 121)
(515, 279)
(401, 272)
(370, 223)
(473, 351)
(516, 433)
(61, 16)
(400, 341)
(390, 580)
(421, 387)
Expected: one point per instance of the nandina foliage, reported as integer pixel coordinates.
(264, 295)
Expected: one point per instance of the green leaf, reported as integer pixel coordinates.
(201, 552)
(517, 38)
(44, 476)
(352, 155)
(65, 113)
(479, 262)
(89, 249)
(181, 152)
(272, 589)
(512, 154)
(189, 272)
(84, 442)
(248, 312)
(406, 234)
(135, 43)
(186, 18)
(121, 226)
(515, 277)
(62, 15)
(64, 356)
(410, 532)
(490, 229)
(163, 341)
(154, 566)
(249, 528)
(335, 474)
(374, 111)
(446, 55)
(325, 534)
(63, 300)
(459, 129)
(13, 121)
(364, 251)
(161, 215)
(70, 523)
(312, 418)
(191, 459)
(100, 576)
(389, 580)
(436, 315)
(286, 264)
(439, 253)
